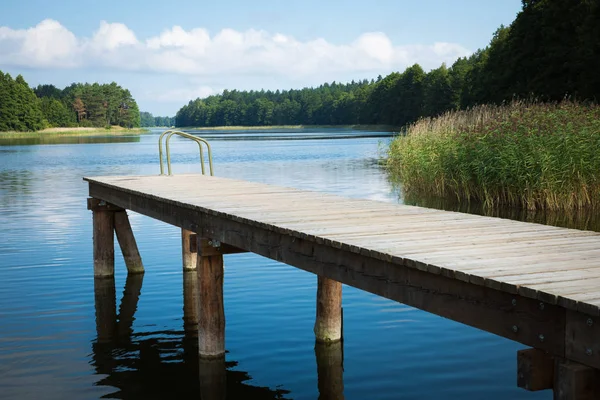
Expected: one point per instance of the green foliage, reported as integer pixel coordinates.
(56, 112)
(147, 120)
(86, 105)
(20, 109)
(529, 155)
(551, 51)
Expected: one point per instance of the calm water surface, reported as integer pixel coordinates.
(63, 337)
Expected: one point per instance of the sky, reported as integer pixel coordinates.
(170, 52)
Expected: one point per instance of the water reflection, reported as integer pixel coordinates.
(330, 370)
(160, 364)
(55, 139)
(585, 219)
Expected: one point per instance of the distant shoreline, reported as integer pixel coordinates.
(76, 131)
(386, 128)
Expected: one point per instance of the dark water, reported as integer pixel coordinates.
(63, 336)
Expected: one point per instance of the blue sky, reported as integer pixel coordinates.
(168, 53)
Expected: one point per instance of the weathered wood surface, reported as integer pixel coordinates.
(188, 252)
(211, 318)
(104, 240)
(535, 370)
(127, 242)
(328, 323)
(514, 279)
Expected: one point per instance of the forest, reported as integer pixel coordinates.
(550, 52)
(46, 106)
(147, 120)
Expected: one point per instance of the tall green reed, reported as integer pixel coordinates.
(529, 155)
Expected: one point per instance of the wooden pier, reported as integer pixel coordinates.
(534, 284)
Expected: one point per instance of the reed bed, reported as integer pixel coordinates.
(523, 154)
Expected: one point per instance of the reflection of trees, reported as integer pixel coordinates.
(160, 364)
(58, 139)
(14, 184)
(585, 219)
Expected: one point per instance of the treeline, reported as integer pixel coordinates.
(87, 105)
(550, 51)
(147, 120)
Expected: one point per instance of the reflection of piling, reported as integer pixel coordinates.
(129, 302)
(330, 370)
(190, 303)
(106, 308)
(213, 380)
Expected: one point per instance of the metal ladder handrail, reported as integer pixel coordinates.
(198, 140)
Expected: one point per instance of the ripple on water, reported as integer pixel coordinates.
(52, 347)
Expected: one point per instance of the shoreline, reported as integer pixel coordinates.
(76, 131)
(386, 128)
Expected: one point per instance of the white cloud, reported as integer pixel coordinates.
(179, 94)
(196, 53)
(110, 37)
(48, 44)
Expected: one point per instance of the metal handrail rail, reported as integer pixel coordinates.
(186, 135)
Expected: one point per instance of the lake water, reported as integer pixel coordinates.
(62, 337)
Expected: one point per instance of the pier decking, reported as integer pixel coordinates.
(534, 284)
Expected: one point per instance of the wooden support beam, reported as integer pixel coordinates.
(188, 256)
(330, 370)
(104, 239)
(575, 381)
(328, 324)
(97, 204)
(211, 321)
(127, 242)
(212, 247)
(535, 370)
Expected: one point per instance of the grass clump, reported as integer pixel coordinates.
(529, 155)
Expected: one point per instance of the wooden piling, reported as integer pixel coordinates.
(104, 241)
(328, 324)
(211, 321)
(190, 303)
(330, 370)
(188, 255)
(127, 242)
